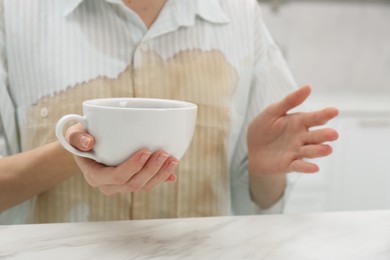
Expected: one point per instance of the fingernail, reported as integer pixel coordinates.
(85, 141)
(145, 156)
(162, 158)
(172, 165)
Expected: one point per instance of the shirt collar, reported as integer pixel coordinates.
(186, 10)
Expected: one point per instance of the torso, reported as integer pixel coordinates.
(94, 52)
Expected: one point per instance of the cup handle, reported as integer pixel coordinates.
(61, 138)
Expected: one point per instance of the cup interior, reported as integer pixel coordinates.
(139, 103)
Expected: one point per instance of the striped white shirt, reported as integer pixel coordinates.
(216, 53)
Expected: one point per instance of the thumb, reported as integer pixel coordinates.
(79, 138)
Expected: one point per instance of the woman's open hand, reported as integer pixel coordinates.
(279, 142)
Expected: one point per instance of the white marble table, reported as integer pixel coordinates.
(330, 236)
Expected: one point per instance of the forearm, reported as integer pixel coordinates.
(265, 190)
(27, 174)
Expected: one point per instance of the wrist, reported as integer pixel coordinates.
(266, 189)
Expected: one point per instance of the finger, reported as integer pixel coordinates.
(98, 174)
(315, 151)
(162, 175)
(303, 167)
(138, 183)
(171, 178)
(79, 138)
(151, 168)
(320, 117)
(132, 166)
(291, 101)
(321, 136)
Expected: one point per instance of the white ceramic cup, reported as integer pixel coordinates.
(122, 126)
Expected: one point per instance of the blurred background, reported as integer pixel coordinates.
(342, 49)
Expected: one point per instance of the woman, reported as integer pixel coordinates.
(217, 54)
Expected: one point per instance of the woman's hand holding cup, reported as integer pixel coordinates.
(142, 171)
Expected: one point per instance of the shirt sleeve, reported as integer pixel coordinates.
(3, 148)
(271, 81)
(8, 132)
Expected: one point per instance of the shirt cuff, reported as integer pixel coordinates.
(242, 204)
(276, 208)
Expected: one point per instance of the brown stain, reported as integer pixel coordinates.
(201, 77)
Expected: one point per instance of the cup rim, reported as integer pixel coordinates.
(183, 105)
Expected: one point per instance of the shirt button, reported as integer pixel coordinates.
(44, 112)
(144, 47)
